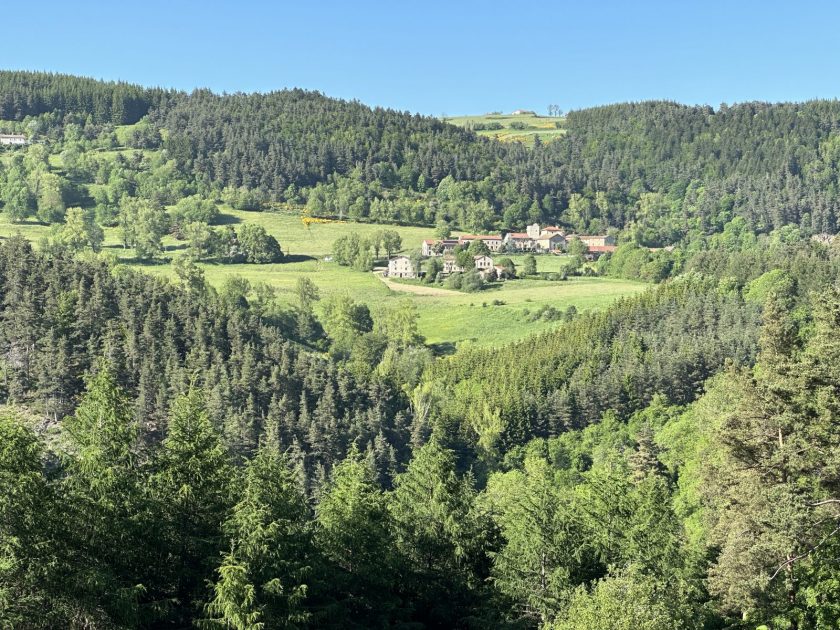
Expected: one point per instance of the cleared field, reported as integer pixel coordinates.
(317, 239)
(465, 318)
(543, 126)
(447, 321)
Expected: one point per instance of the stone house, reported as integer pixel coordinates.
(520, 241)
(401, 267)
(598, 240)
(550, 241)
(438, 248)
(493, 242)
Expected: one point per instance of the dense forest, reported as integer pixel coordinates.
(174, 454)
(660, 172)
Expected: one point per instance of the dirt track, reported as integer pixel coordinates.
(415, 289)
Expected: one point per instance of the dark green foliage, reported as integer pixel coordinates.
(257, 246)
(58, 315)
(33, 93)
(668, 340)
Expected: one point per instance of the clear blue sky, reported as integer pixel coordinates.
(439, 57)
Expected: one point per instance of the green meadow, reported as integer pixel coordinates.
(449, 321)
(544, 127)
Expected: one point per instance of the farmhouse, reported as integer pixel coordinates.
(450, 265)
(438, 248)
(483, 263)
(401, 267)
(593, 252)
(520, 241)
(550, 241)
(597, 240)
(493, 242)
(12, 138)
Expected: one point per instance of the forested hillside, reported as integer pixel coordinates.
(177, 454)
(25, 94)
(661, 172)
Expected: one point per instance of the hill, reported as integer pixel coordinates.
(512, 127)
(665, 171)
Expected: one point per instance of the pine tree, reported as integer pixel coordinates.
(191, 489)
(437, 540)
(354, 536)
(264, 578)
(106, 507)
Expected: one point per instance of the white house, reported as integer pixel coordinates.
(450, 265)
(483, 263)
(401, 267)
(12, 138)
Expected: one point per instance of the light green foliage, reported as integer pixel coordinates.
(194, 209)
(80, 231)
(263, 579)
(543, 545)
(776, 282)
(399, 324)
(258, 246)
(529, 266)
(142, 226)
(50, 192)
(631, 600)
(344, 319)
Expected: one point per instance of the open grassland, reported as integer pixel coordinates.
(448, 321)
(317, 239)
(543, 126)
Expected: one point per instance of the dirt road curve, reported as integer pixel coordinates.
(414, 288)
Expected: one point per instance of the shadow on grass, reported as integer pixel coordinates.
(226, 219)
(443, 349)
(297, 258)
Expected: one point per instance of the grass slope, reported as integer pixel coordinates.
(543, 126)
(446, 321)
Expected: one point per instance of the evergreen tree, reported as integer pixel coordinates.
(191, 489)
(264, 579)
(354, 536)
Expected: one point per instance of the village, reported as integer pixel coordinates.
(535, 240)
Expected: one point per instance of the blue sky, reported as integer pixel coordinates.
(439, 57)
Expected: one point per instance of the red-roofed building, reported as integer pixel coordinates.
(493, 242)
(596, 251)
(438, 248)
(520, 241)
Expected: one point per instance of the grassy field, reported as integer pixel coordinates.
(446, 321)
(542, 126)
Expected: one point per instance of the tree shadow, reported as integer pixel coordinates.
(226, 219)
(443, 349)
(296, 258)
